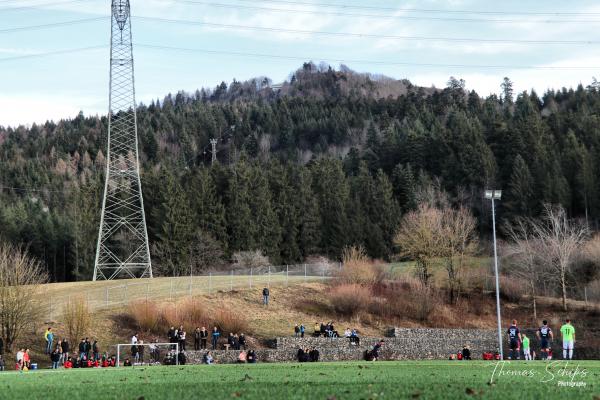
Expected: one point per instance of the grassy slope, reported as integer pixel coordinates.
(385, 380)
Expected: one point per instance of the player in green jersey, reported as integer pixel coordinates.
(567, 331)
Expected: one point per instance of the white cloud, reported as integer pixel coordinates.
(39, 107)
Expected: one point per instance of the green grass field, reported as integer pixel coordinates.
(356, 380)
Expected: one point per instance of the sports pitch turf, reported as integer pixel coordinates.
(357, 380)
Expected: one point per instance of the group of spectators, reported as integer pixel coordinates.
(328, 330)
(308, 355)
(325, 330)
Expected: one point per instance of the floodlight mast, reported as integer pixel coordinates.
(496, 195)
(123, 250)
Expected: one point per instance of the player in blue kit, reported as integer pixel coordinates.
(514, 337)
(545, 336)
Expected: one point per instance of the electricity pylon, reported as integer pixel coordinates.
(123, 250)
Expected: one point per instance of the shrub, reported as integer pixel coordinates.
(358, 269)
(512, 289)
(350, 299)
(146, 315)
(250, 259)
(77, 318)
(229, 321)
(593, 291)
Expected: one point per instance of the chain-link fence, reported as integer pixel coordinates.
(107, 294)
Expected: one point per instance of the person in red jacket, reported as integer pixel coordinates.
(68, 364)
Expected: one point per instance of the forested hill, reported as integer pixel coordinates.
(328, 159)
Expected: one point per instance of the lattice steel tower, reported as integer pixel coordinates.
(123, 250)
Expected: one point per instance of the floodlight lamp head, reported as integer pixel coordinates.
(120, 9)
(493, 194)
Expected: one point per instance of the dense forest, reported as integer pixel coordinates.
(330, 158)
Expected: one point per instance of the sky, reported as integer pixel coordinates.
(485, 41)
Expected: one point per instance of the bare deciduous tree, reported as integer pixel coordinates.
(458, 241)
(77, 318)
(419, 238)
(560, 239)
(523, 256)
(20, 280)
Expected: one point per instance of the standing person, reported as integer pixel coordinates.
(96, 350)
(82, 348)
(567, 331)
(266, 295)
(2, 366)
(203, 337)
(141, 351)
(26, 359)
(134, 338)
(215, 337)
(55, 358)
(526, 349)
(171, 334)
(88, 348)
(302, 330)
(65, 350)
(197, 337)
(49, 336)
(20, 355)
(296, 331)
(1, 346)
(514, 337)
(376, 348)
(242, 341)
(544, 335)
(181, 338)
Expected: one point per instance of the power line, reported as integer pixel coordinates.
(365, 15)
(304, 58)
(424, 10)
(53, 25)
(52, 53)
(350, 61)
(371, 35)
(441, 11)
(41, 6)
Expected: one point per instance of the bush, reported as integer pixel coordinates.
(229, 321)
(593, 291)
(358, 269)
(146, 315)
(406, 298)
(250, 259)
(350, 299)
(512, 289)
(77, 318)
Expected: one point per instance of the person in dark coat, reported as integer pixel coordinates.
(197, 337)
(203, 337)
(242, 342)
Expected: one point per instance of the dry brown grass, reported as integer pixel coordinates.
(151, 318)
(358, 268)
(350, 299)
(512, 289)
(77, 318)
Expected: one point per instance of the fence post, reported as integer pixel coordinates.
(209, 281)
(323, 273)
(125, 293)
(147, 290)
(269, 278)
(171, 291)
(585, 295)
(287, 275)
(231, 282)
(250, 278)
(50, 311)
(304, 273)
(107, 297)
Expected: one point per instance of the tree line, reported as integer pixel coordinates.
(333, 158)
